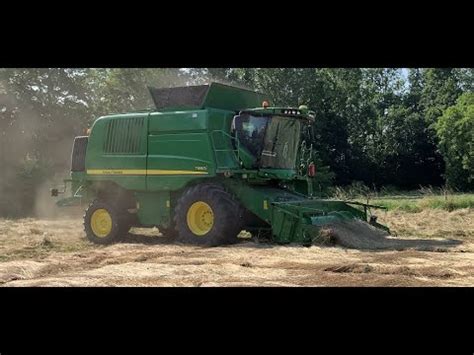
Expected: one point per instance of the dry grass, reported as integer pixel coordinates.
(431, 223)
(36, 239)
(55, 253)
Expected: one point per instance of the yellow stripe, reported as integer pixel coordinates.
(143, 172)
(116, 172)
(175, 172)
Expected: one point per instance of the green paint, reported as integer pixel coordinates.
(153, 208)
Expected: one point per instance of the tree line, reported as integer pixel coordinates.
(379, 126)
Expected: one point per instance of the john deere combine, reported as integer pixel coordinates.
(210, 161)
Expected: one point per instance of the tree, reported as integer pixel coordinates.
(455, 130)
(440, 90)
(465, 78)
(413, 158)
(126, 89)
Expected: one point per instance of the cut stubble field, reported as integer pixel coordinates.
(55, 252)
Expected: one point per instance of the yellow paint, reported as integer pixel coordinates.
(265, 204)
(200, 218)
(116, 172)
(101, 223)
(143, 172)
(175, 172)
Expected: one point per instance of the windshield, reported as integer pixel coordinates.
(273, 140)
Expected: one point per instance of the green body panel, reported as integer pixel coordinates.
(174, 149)
(193, 120)
(154, 208)
(278, 174)
(258, 199)
(98, 158)
(194, 157)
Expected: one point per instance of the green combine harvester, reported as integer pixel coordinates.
(209, 162)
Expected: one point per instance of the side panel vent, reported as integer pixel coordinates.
(123, 136)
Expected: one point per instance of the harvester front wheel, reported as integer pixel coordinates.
(103, 224)
(206, 214)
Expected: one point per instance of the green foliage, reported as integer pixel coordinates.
(126, 89)
(324, 178)
(440, 90)
(418, 204)
(408, 201)
(455, 130)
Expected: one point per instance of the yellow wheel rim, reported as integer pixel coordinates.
(101, 223)
(200, 218)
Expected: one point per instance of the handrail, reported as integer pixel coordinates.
(234, 151)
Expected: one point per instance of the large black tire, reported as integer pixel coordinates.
(115, 228)
(226, 212)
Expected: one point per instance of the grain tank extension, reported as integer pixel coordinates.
(206, 163)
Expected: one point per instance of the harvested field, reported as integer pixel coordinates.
(41, 252)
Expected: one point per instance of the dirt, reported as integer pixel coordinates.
(42, 252)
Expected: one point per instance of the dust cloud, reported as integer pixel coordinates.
(34, 152)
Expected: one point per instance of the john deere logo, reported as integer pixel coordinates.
(112, 171)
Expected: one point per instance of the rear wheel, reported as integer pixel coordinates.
(206, 214)
(103, 223)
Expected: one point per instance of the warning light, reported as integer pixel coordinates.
(311, 170)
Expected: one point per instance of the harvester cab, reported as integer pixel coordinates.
(270, 135)
(206, 163)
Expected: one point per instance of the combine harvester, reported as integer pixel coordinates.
(209, 162)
